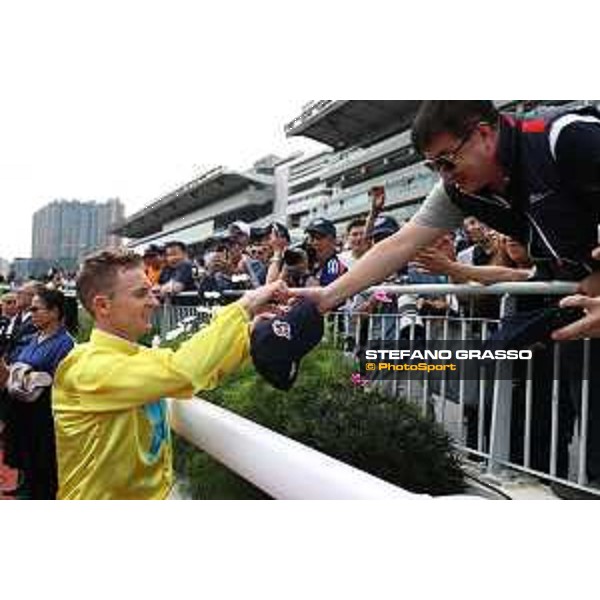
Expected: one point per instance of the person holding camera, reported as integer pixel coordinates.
(217, 276)
(245, 267)
(290, 265)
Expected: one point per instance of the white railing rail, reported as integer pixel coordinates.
(281, 467)
(492, 411)
(555, 288)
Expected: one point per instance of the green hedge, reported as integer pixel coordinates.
(384, 436)
(85, 323)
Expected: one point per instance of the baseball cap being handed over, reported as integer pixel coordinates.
(277, 345)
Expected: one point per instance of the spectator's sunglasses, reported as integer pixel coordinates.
(448, 160)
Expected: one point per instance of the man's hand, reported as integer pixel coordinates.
(377, 196)
(433, 261)
(171, 288)
(264, 299)
(318, 295)
(277, 242)
(588, 326)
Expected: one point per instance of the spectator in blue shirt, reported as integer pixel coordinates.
(322, 237)
(30, 427)
(178, 275)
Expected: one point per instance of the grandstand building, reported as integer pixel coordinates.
(370, 145)
(205, 205)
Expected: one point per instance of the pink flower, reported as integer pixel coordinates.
(357, 379)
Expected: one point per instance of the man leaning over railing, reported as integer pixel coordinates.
(536, 179)
(521, 313)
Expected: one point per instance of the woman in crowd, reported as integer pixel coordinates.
(28, 381)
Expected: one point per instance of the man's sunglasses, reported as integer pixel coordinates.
(448, 160)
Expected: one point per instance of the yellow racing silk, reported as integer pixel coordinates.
(112, 432)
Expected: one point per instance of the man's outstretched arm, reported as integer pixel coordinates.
(382, 260)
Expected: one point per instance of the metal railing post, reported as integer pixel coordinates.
(555, 402)
(584, 414)
(500, 425)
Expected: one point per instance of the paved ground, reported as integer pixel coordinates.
(8, 480)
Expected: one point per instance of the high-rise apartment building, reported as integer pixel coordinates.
(66, 231)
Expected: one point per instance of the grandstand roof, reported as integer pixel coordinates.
(345, 123)
(206, 189)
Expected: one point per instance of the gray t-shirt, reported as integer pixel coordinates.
(438, 211)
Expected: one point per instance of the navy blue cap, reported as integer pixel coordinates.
(384, 226)
(277, 345)
(322, 226)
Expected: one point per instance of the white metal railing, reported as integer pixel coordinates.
(493, 407)
(490, 412)
(280, 466)
(554, 288)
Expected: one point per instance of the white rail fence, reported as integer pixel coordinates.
(281, 467)
(481, 419)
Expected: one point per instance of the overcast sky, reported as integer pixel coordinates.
(126, 103)
(127, 98)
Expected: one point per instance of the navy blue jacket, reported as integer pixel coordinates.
(552, 200)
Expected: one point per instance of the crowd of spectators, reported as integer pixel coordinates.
(494, 168)
(34, 339)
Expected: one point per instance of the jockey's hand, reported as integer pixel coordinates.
(265, 298)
